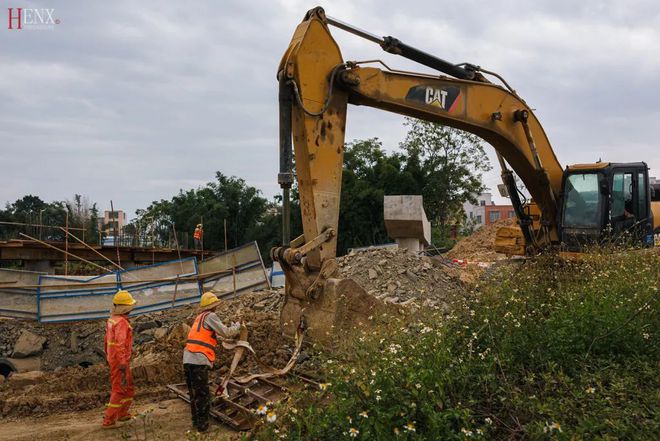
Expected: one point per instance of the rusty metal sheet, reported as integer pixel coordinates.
(239, 411)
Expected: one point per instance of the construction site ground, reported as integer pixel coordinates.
(166, 420)
(66, 400)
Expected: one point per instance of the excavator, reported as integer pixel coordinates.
(569, 208)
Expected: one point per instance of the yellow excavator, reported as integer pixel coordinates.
(569, 207)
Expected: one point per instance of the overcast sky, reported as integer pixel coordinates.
(134, 100)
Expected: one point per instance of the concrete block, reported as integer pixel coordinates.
(406, 222)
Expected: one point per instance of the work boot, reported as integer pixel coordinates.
(114, 425)
(126, 418)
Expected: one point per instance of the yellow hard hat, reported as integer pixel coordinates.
(208, 299)
(123, 297)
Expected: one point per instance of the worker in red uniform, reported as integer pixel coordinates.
(118, 349)
(197, 236)
(199, 355)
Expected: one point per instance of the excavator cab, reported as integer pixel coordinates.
(605, 203)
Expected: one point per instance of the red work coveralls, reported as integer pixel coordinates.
(118, 348)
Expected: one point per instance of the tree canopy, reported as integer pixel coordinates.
(442, 164)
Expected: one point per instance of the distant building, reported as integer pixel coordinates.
(112, 221)
(485, 211)
(476, 213)
(497, 212)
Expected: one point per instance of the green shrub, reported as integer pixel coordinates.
(546, 349)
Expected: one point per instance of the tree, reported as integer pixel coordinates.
(368, 175)
(227, 198)
(93, 224)
(447, 165)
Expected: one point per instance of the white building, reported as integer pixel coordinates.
(476, 214)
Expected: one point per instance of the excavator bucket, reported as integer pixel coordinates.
(342, 306)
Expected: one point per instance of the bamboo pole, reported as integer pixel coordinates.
(86, 245)
(66, 245)
(201, 221)
(225, 235)
(176, 242)
(192, 278)
(153, 242)
(176, 288)
(65, 252)
(115, 225)
(23, 224)
(233, 271)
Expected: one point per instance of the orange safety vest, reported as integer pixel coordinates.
(200, 339)
(198, 234)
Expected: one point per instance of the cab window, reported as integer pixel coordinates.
(582, 200)
(622, 195)
(642, 196)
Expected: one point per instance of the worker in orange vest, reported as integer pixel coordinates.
(197, 236)
(118, 348)
(199, 355)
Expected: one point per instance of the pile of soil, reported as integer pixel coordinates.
(401, 277)
(479, 247)
(159, 339)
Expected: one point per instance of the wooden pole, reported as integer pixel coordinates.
(66, 244)
(176, 288)
(115, 225)
(225, 235)
(153, 242)
(233, 271)
(23, 224)
(176, 241)
(84, 244)
(193, 278)
(201, 221)
(65, 252)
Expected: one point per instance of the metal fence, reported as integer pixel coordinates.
(50, 299)
(66, 298)
(235, 271)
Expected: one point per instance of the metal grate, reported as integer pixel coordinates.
(239, 410)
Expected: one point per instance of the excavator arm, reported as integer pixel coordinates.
(316, 85)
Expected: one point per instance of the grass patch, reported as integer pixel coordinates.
(548, 349)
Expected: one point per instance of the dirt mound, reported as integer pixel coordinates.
(401, 277)
(479, 247)
(158, 350)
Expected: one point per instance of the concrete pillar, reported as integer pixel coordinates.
(406, 222)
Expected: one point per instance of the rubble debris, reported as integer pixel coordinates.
(160, 333)
(80, 381)
(23, 379)
(479, 247)
(399, 276)
(28, 344)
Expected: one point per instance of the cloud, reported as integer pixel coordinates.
(132, 101)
